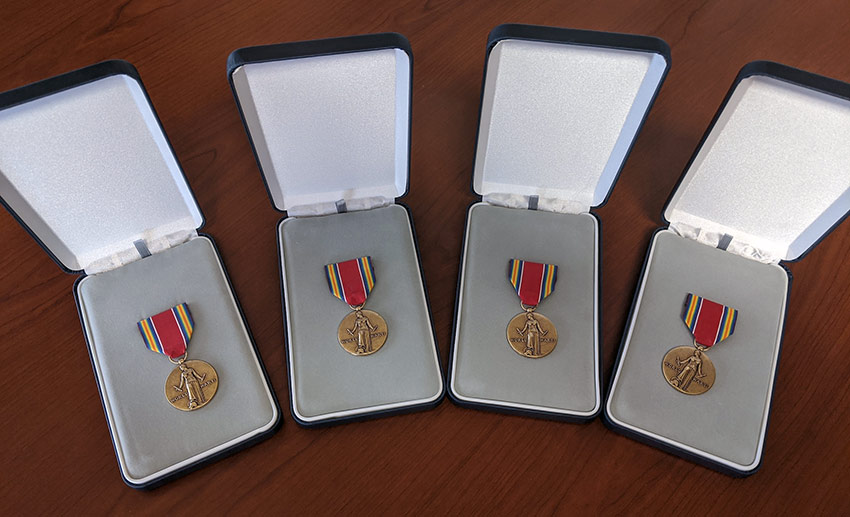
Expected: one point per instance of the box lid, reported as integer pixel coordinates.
(560, 111)
(329, 120)
(86, 167)
(772, 174)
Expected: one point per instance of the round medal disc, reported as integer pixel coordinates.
(532, 335)
(191, 385)
(689, 370)
(362, 332)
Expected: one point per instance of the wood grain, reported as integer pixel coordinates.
(57, 453)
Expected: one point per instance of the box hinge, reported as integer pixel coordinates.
(725, 242)
(339, 206)
(141, 248)
(545, 204)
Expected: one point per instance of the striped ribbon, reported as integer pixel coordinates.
(169, 331)
(532, 281)
(709, 322)
(352, 280)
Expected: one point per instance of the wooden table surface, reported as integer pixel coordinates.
(57, 453)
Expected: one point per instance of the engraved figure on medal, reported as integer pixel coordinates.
(362, 332)
(531, 334)
(191, 385)
(689, 370)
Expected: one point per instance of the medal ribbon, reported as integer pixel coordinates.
(169, 331)
(532, 281)
(352, 280)
(709, 322)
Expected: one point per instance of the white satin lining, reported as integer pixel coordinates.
(332, 207)
(155, 243)
(564, 206)
(734, 246)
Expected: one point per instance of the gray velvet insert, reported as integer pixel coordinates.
(152, 436)
(727, 420)
(485, 366)
(326, 380)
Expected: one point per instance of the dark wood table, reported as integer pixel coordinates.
(57, 453)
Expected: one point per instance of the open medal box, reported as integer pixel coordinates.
(560, 111)
(86, 168)
(769, 180)
(329, 122)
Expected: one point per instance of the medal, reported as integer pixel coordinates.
(689, 369)
(192, 384)
(361, 332)
(531, 334)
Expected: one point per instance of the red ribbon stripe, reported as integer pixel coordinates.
(352, 282)
(170, 336)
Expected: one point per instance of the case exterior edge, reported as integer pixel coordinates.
(66, 81)
(575, 37)
(313, 48)
(784, 73)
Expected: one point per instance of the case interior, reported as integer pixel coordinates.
(153, 439)
(773, 173)
(90, 171)
(726, 424)
(768, 181)
(326, 382)
(329, 121)
(486, 370)
(559, 115)
(329, 127)
(86, 167)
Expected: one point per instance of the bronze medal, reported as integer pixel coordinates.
(688, 369)
(191, 385)
(362, 332)
(531, 334)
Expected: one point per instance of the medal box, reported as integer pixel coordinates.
(89, 172)
(768, 181)
(560, 110)
(329, 123)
